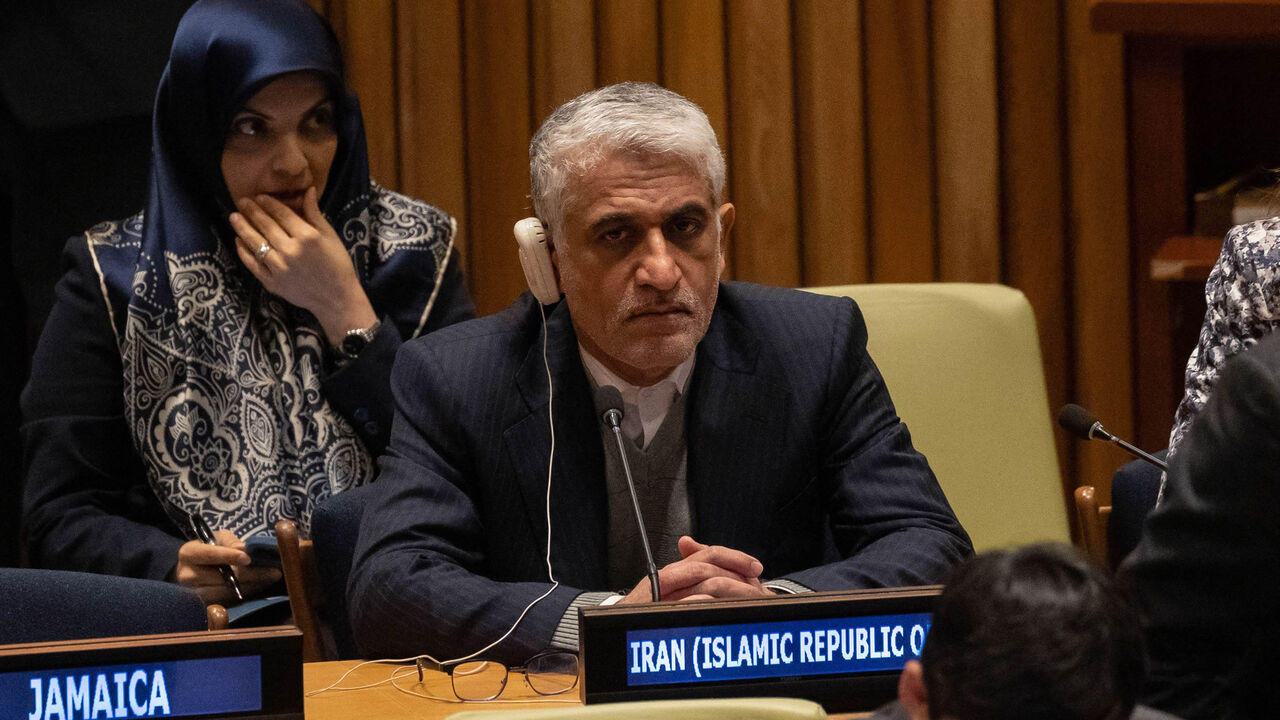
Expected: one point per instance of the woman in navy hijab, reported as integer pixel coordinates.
(226, 353)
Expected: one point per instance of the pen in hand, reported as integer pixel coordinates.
(204, 533)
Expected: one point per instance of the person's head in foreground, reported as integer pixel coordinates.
(628, 180)
(1037, 633)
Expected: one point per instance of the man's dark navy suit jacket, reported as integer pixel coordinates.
(795, 456)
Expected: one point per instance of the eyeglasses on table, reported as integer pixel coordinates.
(548, 673)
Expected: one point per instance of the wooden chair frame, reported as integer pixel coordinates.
(306, 597)
(217, 615)
(1091, 520)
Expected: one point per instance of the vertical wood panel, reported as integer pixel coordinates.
(627, 41)
(765, 243)
(1033, 191)
(693, 59)
(1159, 136)
(831, 154)
(693, 64)
(900, 140)
(964, 73)
(370, 52)
(564, 62)
(497, 151)
(867, 139)
(1099, 235)
(336, 12)
(432, 136)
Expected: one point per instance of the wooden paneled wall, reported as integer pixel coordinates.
(867, 140)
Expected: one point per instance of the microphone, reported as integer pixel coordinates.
(612, 417)
(1081, 422)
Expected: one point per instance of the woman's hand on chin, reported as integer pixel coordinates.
(302, 260)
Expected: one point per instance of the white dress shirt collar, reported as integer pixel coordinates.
(644, 408)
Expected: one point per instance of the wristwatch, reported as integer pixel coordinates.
(355, 341)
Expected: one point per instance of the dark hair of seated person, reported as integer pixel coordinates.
(1039, 632)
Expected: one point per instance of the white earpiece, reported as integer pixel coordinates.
(535, 259)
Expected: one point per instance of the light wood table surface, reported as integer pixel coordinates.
(384, 702)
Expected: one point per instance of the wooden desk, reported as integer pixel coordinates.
(385, 702)
(1186, 258)
(1204, 18)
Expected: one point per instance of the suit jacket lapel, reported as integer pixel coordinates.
(735, 438)
(579, 515)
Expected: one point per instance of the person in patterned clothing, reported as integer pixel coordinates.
(226, 353)
(1243, 299)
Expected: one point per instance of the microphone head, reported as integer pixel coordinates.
(1076, 420)
(611, 398)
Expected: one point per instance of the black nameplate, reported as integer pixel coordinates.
(844, 650)
(253, 674)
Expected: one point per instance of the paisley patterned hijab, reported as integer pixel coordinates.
(221, 378)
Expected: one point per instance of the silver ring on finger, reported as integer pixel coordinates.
(263, 249)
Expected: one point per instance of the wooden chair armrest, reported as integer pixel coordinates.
(301, 579)
(1092, 518)
(217, 616)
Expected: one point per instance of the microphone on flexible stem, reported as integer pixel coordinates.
(612, 417)
(1079, 421)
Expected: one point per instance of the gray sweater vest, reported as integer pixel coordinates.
(661, 477)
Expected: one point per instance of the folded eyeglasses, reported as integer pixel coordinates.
(548, 673)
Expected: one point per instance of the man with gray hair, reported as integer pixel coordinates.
(765, 449)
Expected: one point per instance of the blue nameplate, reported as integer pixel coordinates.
(844, 650)
(254, 673)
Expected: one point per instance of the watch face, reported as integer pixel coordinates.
(352, 344)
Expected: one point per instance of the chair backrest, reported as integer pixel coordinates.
(316, 572)
(52, 605)
(1108, 533)
(759, 708)
(335, 523)
(1134, 489)
(962, 363)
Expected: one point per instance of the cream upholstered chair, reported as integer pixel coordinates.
(962, 362)
(762, 708)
